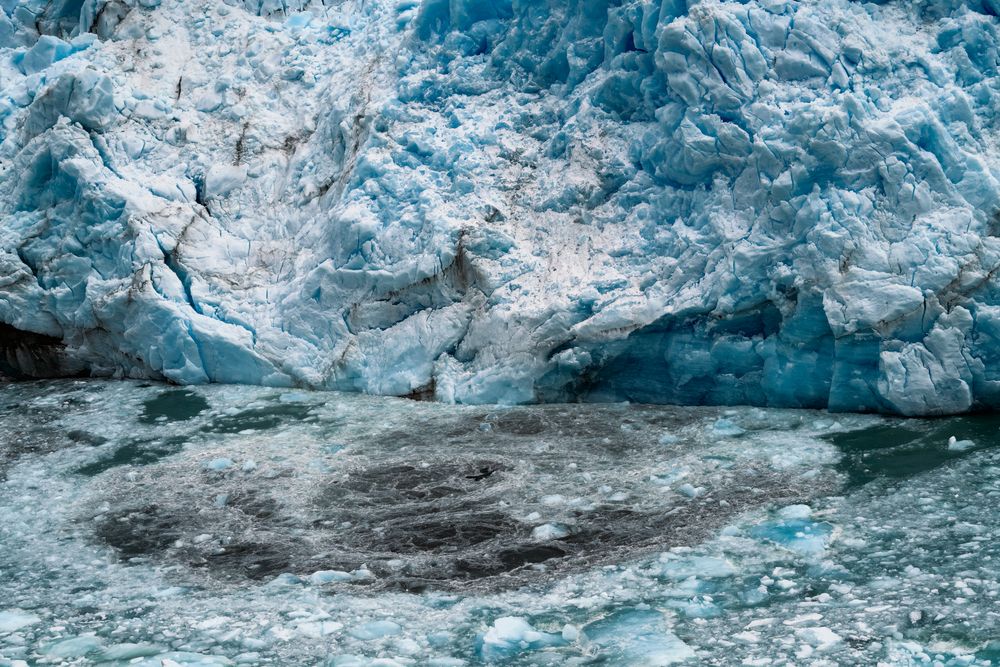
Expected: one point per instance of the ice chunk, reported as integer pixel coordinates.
(329, 576)
(182, 659)
(47, 50)
(323, 577)
(130, 651)
(702, 567)
(366, 661)
(510, 635)
(549, 531)
(637, 637)
(795, 512)
(15, 619)
(805, 536)
(956, 445)
(219, 464)
(375, 630)
(75, 647)
(690, 490)
(820, 638)
(319, 628)
(726, 428)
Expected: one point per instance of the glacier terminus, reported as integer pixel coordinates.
(768, 202)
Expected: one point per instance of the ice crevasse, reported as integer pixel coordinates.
(771, 202)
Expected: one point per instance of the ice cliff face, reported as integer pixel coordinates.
(764, 202)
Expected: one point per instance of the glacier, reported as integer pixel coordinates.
(765, 202)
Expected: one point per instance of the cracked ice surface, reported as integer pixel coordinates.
(715, 202)
(151, 525)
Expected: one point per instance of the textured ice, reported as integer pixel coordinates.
(956, 445)
(15, 619)
(708, 202)
(858, 542)
(511, 635)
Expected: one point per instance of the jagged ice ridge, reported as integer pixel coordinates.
(770, 202)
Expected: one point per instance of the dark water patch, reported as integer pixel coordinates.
(903, 448)
(412, 536)
(140, 531)
(520, 423)
(261, 419)
(252, 560)
(883, 436)
(173, 406)
(136, 452)
(86, 438)
(615, 422)
(450, 501)
(399, 485)
(440, 525)
(485, 565)
(253, 504)
(477, 548)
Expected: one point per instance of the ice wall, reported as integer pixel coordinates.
(766, 202)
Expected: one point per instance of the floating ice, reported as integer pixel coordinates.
(76, 647)
(792, 512)
(726, 428)
(330, 576)
(820, 638)
(549, 531)
(131, 651)
(638, 637)
(15, 619)
(220, 464)
(956, 445)
(690, 490)
(510, 635)
(318, 629)
(705, 567)
(779, 558)
(802, 535)
(183, 659)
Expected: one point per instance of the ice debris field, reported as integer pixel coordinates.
(156, 526)
(595, 207)
(786, 203)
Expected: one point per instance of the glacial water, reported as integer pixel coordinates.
(145, 524)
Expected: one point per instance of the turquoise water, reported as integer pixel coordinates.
(151, 525)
